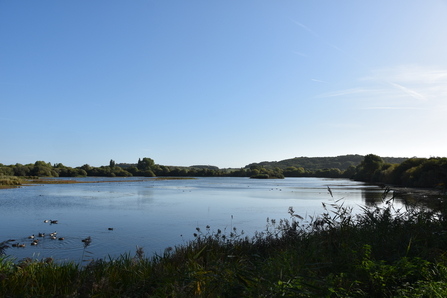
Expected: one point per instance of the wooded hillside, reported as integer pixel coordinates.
(341, 162)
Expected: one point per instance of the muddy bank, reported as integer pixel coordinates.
(418, 194)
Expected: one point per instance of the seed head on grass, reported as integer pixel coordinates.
(87, 241)
(139, 253)
(4, 246)
(48, 260)
(330, 191)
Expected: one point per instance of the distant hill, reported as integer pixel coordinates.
(341, 162)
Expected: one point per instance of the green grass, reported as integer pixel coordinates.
(10, 181)
(381, 252)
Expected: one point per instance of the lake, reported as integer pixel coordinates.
(156, 214)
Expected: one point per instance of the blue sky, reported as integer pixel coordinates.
(224, 83)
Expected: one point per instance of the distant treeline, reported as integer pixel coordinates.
(342, 162)
(412, 172)
(145, 167)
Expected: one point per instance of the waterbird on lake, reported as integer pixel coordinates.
(53, 221)
(46, 220)
(31, 237)
(34, 243)
(53, 237)
(61, 238)
(110, 229)
(15, 245)
(86, 239)
(21, 245)
(41, 234)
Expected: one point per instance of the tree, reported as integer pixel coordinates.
(86, 167)
(112, 164)
(145, 164)
(369, 168)
(43, 169)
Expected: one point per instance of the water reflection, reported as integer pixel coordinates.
(156, 214)
(372, 197)
(145, 197)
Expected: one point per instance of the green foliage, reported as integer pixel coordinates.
(414, 172)
(263, 173)
(6, 171)
(369, 169)
(260, 176)
(342, 162)
(21, 170)
(145, 164)
(294, 172)
(10, 181)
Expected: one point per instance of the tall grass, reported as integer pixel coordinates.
(381, 252)
(10, 181)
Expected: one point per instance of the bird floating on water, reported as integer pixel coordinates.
(31, 237)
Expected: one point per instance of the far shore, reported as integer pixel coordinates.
(420, 194)
(55, 180)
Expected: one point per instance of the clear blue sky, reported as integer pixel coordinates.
(224, 83)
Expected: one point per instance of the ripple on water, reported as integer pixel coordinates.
(65, 249)
(154, 214)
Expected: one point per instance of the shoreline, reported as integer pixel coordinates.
(418, 193)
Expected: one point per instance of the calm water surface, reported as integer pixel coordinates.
(156, 214)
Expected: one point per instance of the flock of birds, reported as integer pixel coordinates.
(53, 236)
(40, 235)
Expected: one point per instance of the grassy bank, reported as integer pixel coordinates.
(12, 181)
(381, 252)
(9, 181)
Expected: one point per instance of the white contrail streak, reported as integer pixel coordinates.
(410, 92)
(406, 90)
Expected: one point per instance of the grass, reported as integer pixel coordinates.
(69, 181)
(381, 252)
(10, 181)
(13, 181)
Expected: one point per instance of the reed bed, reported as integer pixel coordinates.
(381, 252)
(10, 181)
